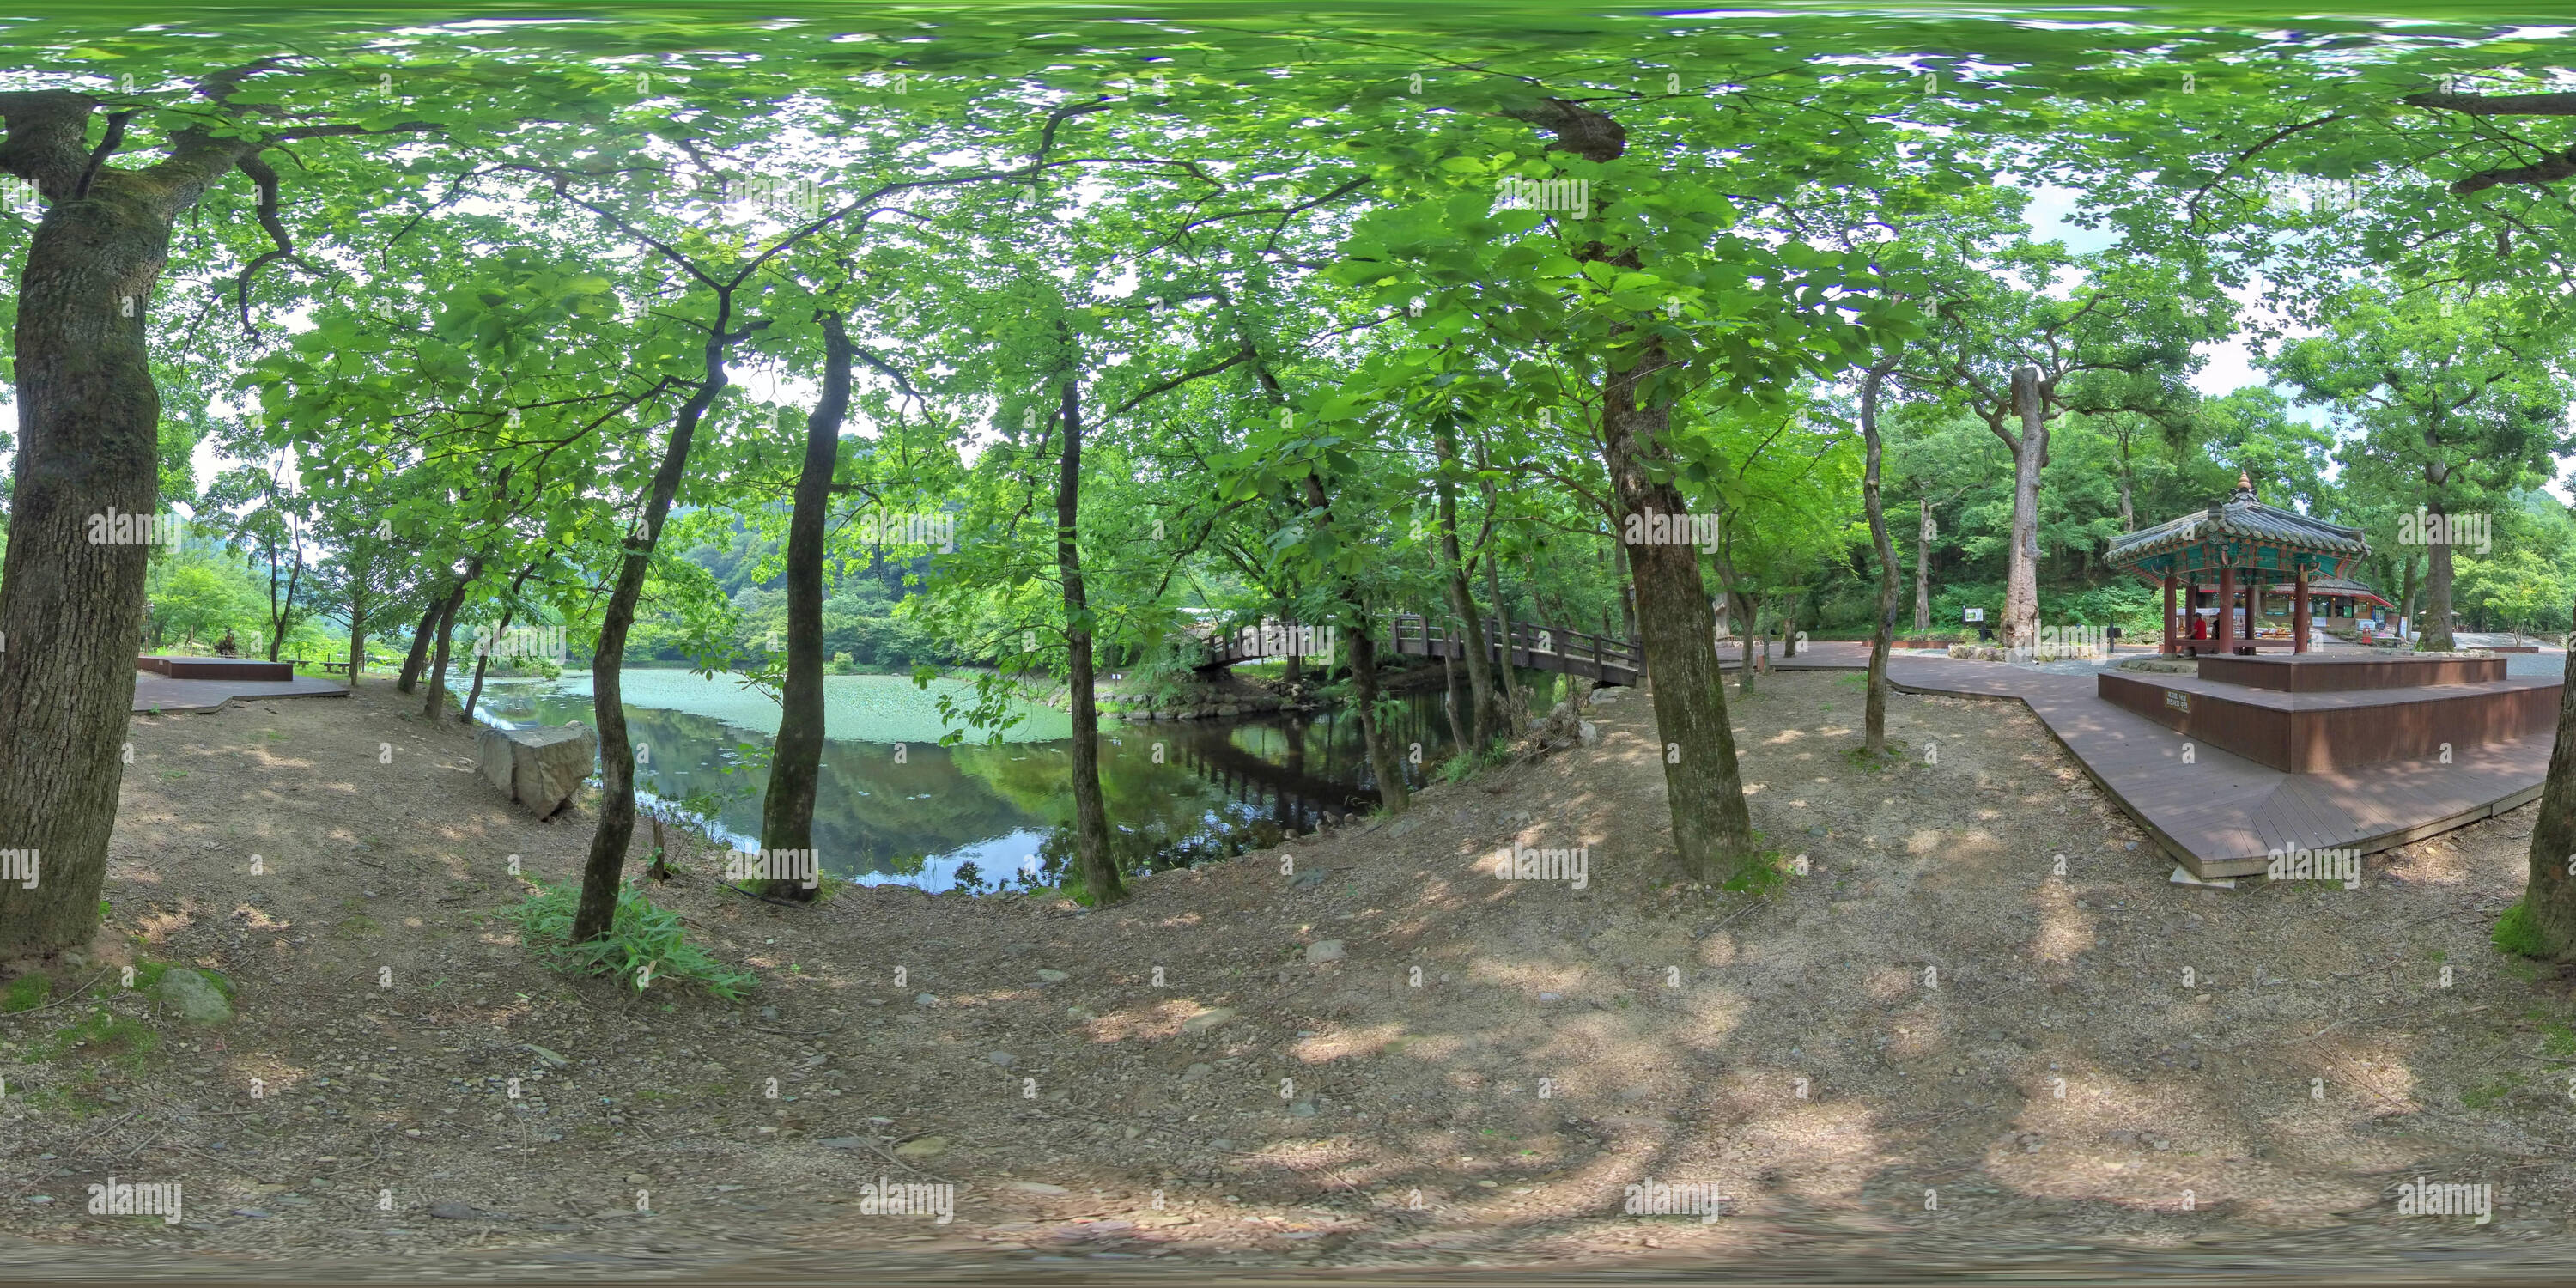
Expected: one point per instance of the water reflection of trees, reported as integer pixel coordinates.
(1222, 789)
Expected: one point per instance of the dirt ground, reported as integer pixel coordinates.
(1930, 1052)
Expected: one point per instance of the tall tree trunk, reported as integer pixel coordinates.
(1748, 606)
(1449, 696)
(1449, 699)
(796, 761)
(1389, 768)
(1883, 637)
(279, 617)
(2549, 892)
(605, 866)
(89, 419)
(1923, 534)
(446, 631)
(1090, 812)
(1515, 709)
(358, 618)
(1712, 831)
(483, 655)
(2409, 587)
(1757, 650)
(2030, 452)
(2435, 629)
(2437, 561)
(420, 637)
(1627, 588)
(1391, 788)
(1462, 603)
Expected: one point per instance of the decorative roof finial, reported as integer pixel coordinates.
(2244, 486)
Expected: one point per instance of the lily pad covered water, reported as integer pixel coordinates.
(892, 805)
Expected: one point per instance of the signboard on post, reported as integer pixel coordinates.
(1976, 615)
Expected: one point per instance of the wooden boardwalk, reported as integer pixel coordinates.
(2222, 815)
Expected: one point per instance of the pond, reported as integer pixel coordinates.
(891, 805)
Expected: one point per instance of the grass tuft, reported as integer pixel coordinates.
(640, 934)
(26, 993)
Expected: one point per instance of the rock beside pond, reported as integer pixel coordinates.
(193, 996)
(541, 767)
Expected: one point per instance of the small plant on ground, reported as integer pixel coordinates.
(2515, 934)
(1761, 875)
(641, 935)
(1462, 766)
(2492, 1093)
(25, 993)
(103, 1036)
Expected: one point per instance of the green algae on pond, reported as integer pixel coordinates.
(856, 708)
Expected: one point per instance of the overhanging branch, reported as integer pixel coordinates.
(266, 178)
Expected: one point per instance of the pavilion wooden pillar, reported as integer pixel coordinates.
(2169, 616)
(2225, 634)
(2299, 613)
(2254, 580)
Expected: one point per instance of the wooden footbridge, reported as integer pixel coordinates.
(1537, 647)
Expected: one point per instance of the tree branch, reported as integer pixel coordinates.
(2550, 170)
(2496, 104)
(266, 178)
(107, 146)
(1240, 356)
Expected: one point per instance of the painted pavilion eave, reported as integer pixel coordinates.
(2245, 535)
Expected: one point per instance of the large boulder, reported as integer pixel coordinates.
(539, 767)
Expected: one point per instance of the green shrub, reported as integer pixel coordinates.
(641, 934)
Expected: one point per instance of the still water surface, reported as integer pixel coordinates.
(894, 806)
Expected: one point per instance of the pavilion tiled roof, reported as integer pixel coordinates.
(2243, 521)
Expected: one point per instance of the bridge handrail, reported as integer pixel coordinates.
(1524, 636)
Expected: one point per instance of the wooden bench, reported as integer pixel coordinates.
(328, 668)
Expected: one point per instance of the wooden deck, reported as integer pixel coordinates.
(161, 695)
(2221, 815)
